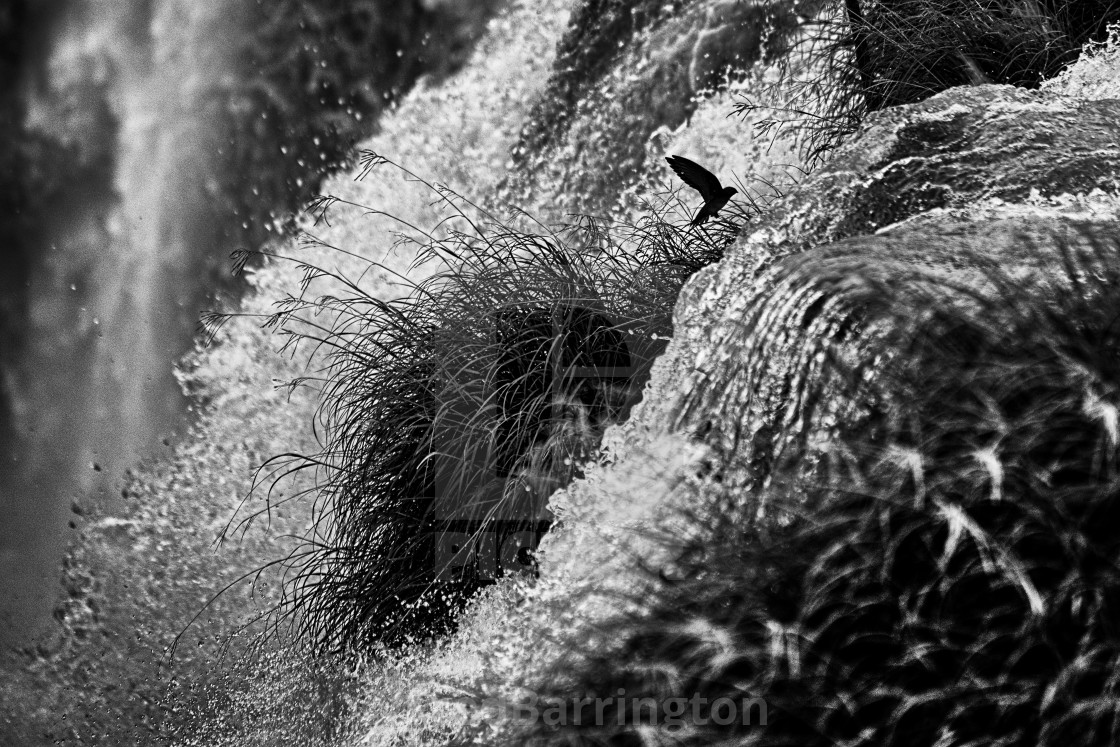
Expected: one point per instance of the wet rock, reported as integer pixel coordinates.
(954, 150)
(971, 176)
(974, 240)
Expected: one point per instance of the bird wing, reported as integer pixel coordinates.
(696, 176)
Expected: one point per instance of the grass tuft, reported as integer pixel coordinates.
(450, 414)
(863, 56)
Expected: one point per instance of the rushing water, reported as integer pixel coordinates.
(178, 128)
(117, 277)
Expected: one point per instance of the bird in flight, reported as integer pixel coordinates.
(706, 183)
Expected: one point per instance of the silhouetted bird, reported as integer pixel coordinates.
(706, 183)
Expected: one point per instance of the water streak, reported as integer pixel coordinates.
(132, 87)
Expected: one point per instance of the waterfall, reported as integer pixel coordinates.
(129, 89)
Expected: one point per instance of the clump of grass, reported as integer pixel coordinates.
(907, 51)
(867, 55)
(942, 570)
(450, 414)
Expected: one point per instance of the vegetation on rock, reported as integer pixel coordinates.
(870, 483)
(463, 405)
